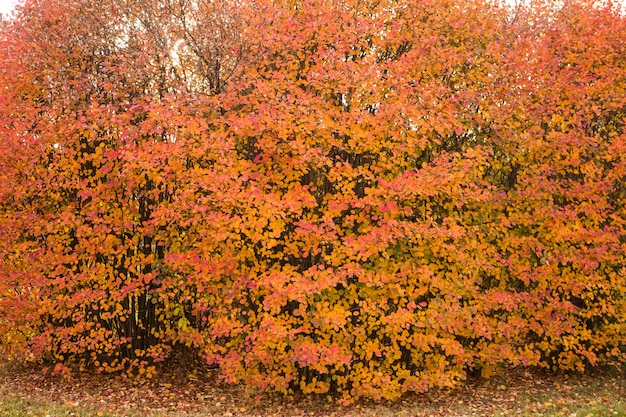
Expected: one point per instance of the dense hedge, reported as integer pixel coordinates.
(359, 197)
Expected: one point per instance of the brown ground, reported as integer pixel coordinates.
(178, 393)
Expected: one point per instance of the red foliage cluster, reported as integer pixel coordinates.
(359, 197)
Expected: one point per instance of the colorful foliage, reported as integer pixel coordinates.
(354, 197)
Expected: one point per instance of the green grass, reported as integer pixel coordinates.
(586, 398)
(12, 406)
(570, 410)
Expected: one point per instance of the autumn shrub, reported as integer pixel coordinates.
(348, 197)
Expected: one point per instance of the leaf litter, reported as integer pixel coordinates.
(174, 392)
